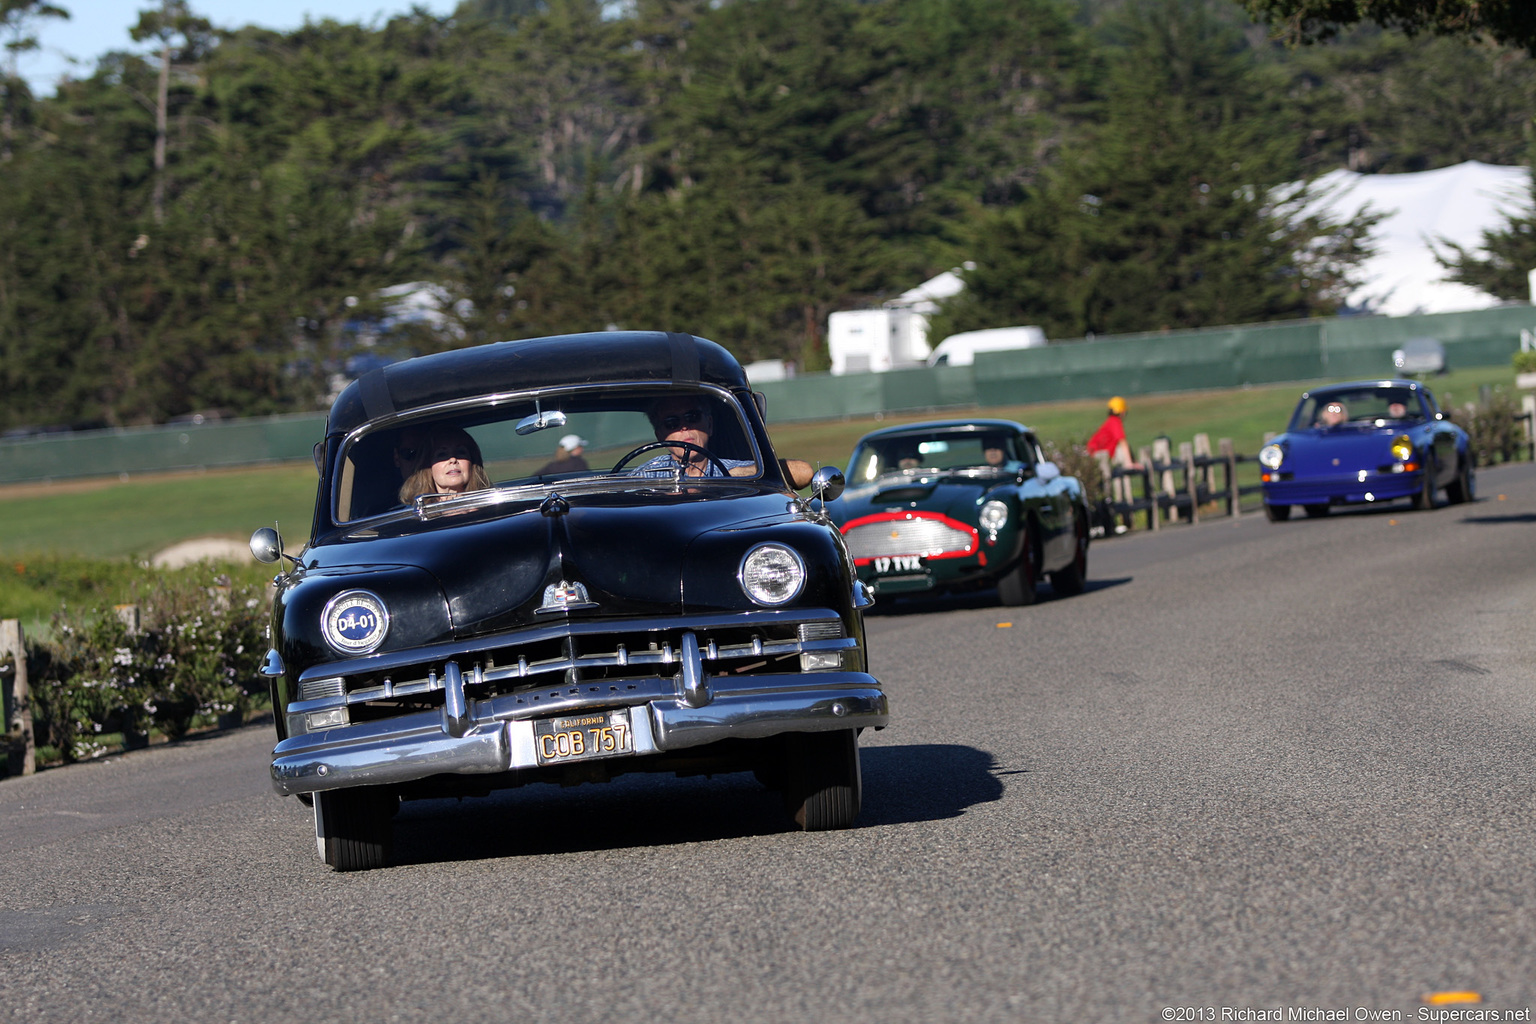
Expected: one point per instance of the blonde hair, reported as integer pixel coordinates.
(419, 482)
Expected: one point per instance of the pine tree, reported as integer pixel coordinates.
(1167, 218)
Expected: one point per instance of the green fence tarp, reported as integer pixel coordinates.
(1340, 348)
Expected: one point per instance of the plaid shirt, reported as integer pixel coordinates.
(667, 466)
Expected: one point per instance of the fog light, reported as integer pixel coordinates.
(820, 661)
(314, 721)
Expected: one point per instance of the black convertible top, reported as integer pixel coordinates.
(596, 358)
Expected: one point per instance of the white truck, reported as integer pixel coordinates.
(960, 349)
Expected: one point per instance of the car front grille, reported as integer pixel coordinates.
(619, 661)
(908, 536)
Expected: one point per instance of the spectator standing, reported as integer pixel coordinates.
(568, 459)
(1110, 438)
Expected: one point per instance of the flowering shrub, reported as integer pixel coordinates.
(193, 651)
(1494, 429)
(1075, 460)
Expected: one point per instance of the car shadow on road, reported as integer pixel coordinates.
(661, 810)
(1523, 517)
(927, 604)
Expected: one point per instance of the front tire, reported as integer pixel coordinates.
(1277, 513)
(823, 784)
(352, 827)
(1017, 587)
(1425, 499)
(1073, 580)
(1464, 487)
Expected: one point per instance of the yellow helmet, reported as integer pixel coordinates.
(1117, 405)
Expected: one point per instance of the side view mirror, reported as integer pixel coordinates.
(266, 545)
(828, 483)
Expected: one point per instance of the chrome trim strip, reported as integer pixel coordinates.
(414, 746)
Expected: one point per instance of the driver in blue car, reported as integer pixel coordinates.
(687, 419)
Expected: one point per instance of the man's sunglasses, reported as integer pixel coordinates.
(692, 417)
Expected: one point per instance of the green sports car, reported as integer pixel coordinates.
(962, 504)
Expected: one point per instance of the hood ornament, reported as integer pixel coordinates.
(564, 596)
(554, 505)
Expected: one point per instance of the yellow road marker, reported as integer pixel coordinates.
(1442, 998)
(1005, 625)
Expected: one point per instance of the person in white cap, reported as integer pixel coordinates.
(568, 459)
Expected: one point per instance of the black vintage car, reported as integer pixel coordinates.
(675, 607)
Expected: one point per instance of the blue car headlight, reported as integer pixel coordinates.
(1402, 448)
(1271, 455)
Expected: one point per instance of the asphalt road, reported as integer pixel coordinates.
(1255, 767)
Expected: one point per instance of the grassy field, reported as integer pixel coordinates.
(112, 518)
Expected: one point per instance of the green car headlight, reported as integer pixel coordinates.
(994, 515)
(1402, 448)
(1271, 455)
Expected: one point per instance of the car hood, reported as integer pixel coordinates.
(956, 497)
(628, 552)
(1334, 451)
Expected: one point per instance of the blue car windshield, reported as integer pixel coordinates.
(1374, 405)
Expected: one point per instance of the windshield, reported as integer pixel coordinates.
(1370, 405)
(568, 439)
(939, 451)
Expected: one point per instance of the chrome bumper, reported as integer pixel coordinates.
(496, 735)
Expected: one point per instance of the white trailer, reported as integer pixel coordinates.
(876, 340)
(893, 337)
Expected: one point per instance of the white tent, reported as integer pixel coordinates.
(1456, 204)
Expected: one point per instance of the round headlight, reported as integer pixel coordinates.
(772, 574)
(1271, 455)
(1402, 448)
(994, 515)
(354, 622)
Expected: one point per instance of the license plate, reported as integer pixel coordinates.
(583, 737)
(900, 563)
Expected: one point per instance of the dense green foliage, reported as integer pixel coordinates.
(213, 224)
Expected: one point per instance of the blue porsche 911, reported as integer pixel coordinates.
(1366, 442)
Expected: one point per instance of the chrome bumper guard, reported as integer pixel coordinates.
(470, 736)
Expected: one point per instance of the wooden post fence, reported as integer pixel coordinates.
(21, 756)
